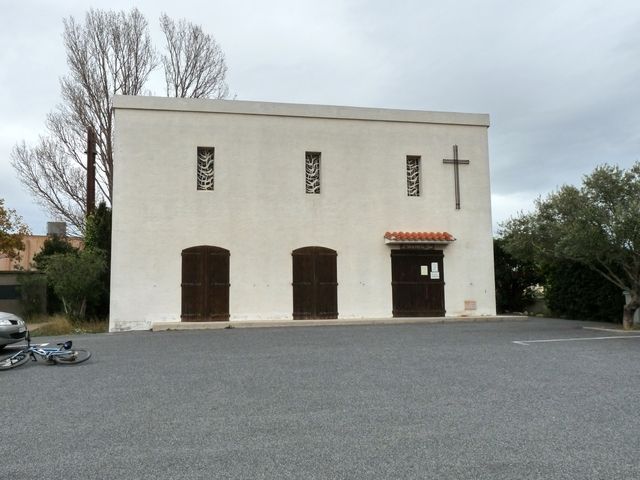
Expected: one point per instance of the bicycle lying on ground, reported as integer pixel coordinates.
(62, 354)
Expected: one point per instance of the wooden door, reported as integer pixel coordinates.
(417, 282)
(205, 284)
(315, 285)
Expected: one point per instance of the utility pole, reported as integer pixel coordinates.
(91, 170)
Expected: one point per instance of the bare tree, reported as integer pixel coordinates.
(54, 179)
(111, 53)
(194, 65)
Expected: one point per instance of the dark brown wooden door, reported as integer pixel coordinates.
(205, 284)
(315, 284)
(417, 280)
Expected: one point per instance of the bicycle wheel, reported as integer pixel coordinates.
(14, 360)
(72, 357)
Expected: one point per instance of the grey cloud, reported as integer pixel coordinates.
(560, 79)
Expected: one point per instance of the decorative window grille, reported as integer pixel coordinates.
(312, 172)
(205, 168)
(413, 176)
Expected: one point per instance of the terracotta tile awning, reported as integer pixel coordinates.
(418, 237)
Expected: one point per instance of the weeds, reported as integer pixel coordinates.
(44, 325)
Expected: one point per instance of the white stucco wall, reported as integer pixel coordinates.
(260, 212)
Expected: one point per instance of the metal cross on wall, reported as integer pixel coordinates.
(456, 173)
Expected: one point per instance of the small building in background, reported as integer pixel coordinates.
(12, 271)
(32, 246)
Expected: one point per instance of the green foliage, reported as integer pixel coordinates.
(33, 293)
(77, 279)
(596, 225)
(573, 290)
(53, 245)
(514, 279)
(98, 229)
(98, 237)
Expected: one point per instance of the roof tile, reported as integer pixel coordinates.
(419, 236)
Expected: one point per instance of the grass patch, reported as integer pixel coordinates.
(44, 325)
(38, 319)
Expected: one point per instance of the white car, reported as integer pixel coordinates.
(12, 329)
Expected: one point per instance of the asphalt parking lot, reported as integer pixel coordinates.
(451, 401)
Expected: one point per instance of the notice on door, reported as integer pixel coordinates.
(424, 270)
(435, 275)
(434, 266)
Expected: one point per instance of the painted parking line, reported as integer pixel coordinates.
(584, 339)
(614, 330)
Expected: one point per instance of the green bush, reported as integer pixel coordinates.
(53, 245)
(77, 280)
(514, 279)
(98, 237)
(573, 290)
(33, 293)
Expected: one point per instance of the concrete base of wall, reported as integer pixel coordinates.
(163, 326)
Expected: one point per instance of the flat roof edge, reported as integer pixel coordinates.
(243, 107)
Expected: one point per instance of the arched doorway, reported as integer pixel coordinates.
(315, 285)
(205, 284)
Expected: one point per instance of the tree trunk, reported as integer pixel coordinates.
(83, 309)
(628, 312)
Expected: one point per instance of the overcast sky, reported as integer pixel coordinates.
(560, 80)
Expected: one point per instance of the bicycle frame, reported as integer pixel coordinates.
(45, 353)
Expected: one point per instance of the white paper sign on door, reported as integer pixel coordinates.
(434, 266)
(424, 270)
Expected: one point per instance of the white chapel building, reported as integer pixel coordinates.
(234, 210)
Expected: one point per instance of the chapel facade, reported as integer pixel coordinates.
(235, 210)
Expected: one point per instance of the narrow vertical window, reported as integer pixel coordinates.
(312, 172)
(205, 168)
(413, 176)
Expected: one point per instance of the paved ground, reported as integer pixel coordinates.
(455, 401)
